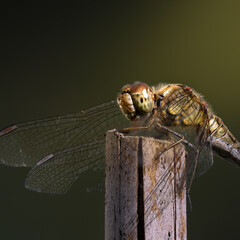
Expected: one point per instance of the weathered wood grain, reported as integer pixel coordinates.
(143, 200)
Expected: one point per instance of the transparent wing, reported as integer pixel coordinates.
(191, 116)
(165, 191)
(160, 195)
(24, 144)
(205, 157)
(180, 104)
(205, 160)
(56, 172)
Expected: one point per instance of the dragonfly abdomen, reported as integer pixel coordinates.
(223, 141)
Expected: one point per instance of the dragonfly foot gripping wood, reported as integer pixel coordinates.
(145, 198)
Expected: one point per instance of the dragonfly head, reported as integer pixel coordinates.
(135, 100)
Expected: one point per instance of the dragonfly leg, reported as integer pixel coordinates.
(160, 127)
(189, 201)
(126, 130)
(170, 146)
(194, 171)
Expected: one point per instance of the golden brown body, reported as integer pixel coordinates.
(183, 106)
(179, 105)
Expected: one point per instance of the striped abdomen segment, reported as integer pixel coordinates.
(223, 141)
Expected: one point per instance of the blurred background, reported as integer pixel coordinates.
(66, 57)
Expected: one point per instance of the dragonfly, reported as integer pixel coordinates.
(180, 107)
(58, 149)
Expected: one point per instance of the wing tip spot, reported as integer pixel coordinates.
(8, 130)
(45, 159)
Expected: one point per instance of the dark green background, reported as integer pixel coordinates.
(66, 57)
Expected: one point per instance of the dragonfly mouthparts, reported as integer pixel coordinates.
(135, 100)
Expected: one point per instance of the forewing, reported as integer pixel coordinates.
(25, 144)
(56, 172)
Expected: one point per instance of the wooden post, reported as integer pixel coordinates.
(143, 200)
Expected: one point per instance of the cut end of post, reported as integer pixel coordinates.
(145, 192)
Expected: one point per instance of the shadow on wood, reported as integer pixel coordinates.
(145, 195)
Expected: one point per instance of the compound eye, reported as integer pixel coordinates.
(136, 99)
(143, 101)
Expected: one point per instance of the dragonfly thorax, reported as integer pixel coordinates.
(136, 100)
